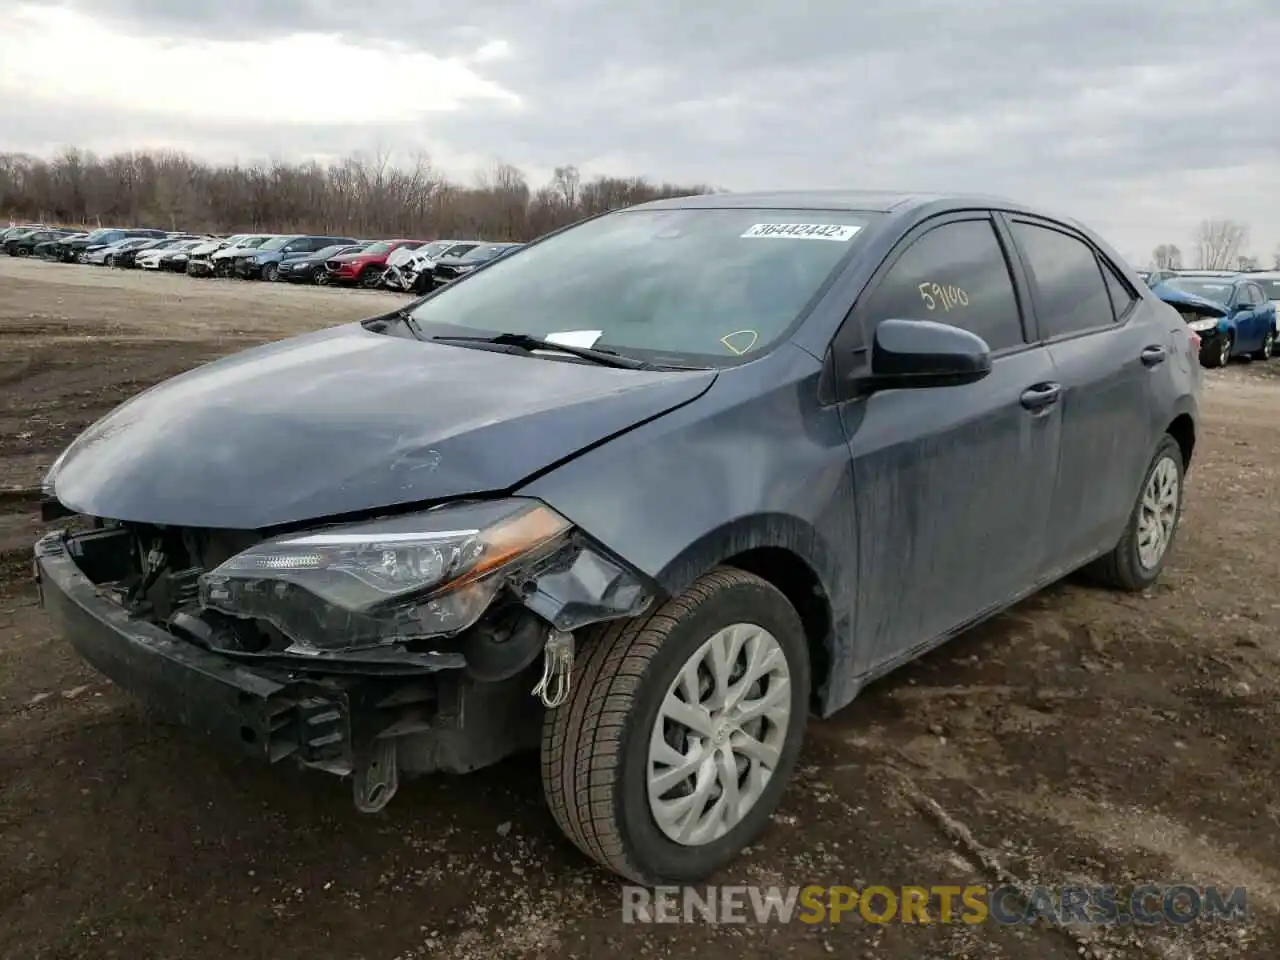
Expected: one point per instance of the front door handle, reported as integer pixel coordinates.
(1152, 356)
(1041, 396)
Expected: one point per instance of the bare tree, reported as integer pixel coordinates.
(365, 195)
(1167, 257)
(1218, 243)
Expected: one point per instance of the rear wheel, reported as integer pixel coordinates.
(270, 272)
(23, 252)
(680, 731)
(321, 277)
(1136, 561)
(1268, 348)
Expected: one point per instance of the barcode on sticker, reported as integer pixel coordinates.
(839, 232)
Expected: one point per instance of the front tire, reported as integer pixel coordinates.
(270, 273)
(1218, 354)
(681, 729)
(371, 278)
(1136, 561)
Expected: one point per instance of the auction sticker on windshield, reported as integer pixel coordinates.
(802, 231)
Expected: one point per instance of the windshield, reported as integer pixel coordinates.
(1218, 291)
(380, 247)
(433, 249)
(484, 253)
(250, 243)
(275, 243)
(712, 284)
(458, 249)
(326, 252)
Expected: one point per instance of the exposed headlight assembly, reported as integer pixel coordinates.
(390, 581)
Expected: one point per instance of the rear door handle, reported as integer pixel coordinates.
(1042, 395)
(1152, 356)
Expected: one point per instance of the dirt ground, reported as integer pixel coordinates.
(1082, 738)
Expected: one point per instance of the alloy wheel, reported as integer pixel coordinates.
(719, 735)
(1158, 513)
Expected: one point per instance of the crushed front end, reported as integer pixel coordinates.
(402, 644)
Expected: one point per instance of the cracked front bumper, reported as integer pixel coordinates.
(270, 712)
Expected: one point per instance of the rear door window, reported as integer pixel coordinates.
(1067, 284)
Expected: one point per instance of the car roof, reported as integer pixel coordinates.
(871, 201)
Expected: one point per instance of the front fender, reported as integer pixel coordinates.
(743, 467)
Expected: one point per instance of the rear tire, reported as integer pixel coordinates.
(270, 272)
(1268, 348)
(1135, 562)
(621, 733)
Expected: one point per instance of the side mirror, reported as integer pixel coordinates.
(912, 354)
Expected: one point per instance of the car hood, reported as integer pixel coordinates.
(1189, 301)
(346, 420)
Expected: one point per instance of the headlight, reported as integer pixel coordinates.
(1203, 324)
(406, 578)
(180, 256)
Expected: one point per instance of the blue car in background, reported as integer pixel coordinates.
(1230, 312)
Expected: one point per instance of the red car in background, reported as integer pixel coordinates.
(365, 267)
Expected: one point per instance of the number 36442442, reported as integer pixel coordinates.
(937, 296)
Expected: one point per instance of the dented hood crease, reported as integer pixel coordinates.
(347, 420)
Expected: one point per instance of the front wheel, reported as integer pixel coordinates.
(371, 278)
(270, 272)
(1136, 561)
(1268, 348)
(680, 730)
(1217, 354)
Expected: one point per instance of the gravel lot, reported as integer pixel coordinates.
(1085, 737)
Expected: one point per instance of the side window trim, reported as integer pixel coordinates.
(1033, 286)
(855, 319)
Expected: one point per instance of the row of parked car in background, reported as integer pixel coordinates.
(1233, 312)
(406, 265)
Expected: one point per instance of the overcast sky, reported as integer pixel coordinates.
(1140, 117)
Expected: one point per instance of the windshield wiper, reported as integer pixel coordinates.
(525, 341)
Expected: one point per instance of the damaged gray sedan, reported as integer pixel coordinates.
(644, 496)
